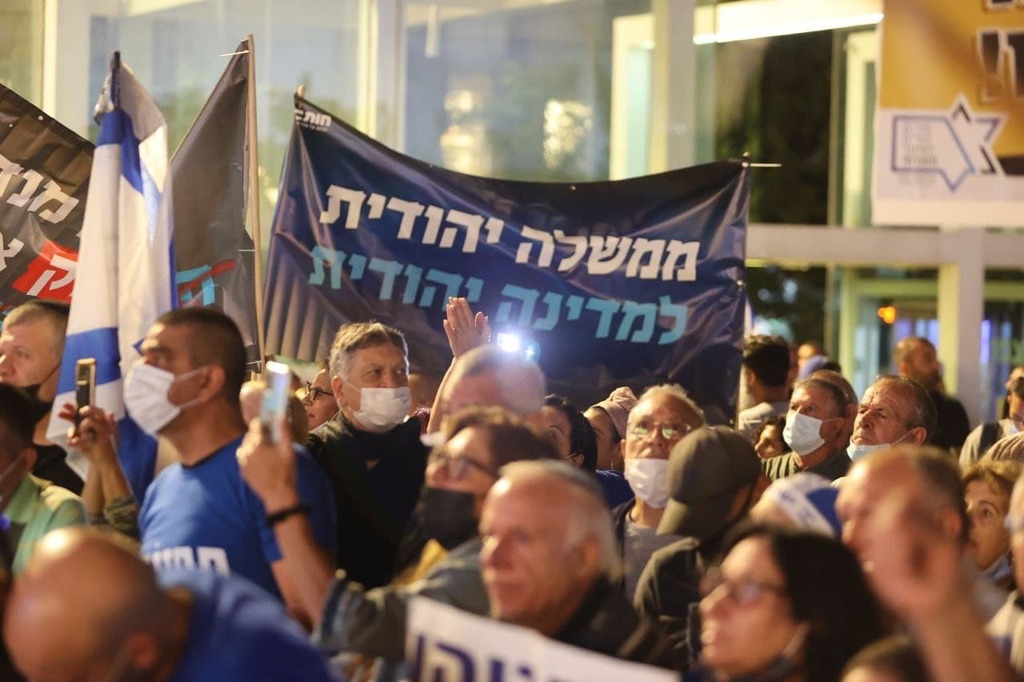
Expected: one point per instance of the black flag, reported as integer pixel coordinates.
(214, 252)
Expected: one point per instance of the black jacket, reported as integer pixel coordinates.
(373, 503)
(607, 623)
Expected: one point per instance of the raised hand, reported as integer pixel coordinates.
(465, 330)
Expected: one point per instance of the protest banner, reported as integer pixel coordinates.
(628, 282)
(44, 178)
(445, 643)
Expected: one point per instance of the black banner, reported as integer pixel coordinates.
(44, 179)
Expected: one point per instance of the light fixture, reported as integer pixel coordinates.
(749, 19)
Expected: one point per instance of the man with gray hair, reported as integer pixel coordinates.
(663, 415)
(815, 426)
(488, 375)
(550, 563)
(31, 349)
(372, 454)
(893, 410)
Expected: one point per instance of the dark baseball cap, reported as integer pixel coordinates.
(705, 470)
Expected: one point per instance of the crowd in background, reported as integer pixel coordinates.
(818, 536)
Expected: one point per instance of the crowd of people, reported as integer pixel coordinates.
(819, 536)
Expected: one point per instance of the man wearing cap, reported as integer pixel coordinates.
(714, 478)
(662, 416)
(608, 418)
(815, 426)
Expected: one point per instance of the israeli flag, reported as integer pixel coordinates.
(125, 277)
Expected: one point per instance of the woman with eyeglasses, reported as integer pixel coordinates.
(785, 605)
(318, 399)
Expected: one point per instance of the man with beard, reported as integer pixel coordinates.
(478, 442)
(31, 348)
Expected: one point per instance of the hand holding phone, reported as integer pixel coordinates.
(275, 399)
(85, 386)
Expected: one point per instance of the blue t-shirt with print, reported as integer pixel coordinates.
(205, 517)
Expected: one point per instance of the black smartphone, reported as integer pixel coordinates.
(85, 386)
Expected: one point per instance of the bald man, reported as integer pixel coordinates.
(915, 357)
(904, 516)
(87, 604)
(928, 482)
(492, 377)
(542, 515)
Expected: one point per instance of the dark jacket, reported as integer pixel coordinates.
(373, 503)
(670, 590)
(605, 622)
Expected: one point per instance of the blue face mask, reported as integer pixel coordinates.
(856, 450)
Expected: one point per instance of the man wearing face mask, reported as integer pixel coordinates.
(371, 623)
(815, 426)
(33, 506)
(198, 513)
(31, 347)
(372, 455)
(661, 417)
(894, 410)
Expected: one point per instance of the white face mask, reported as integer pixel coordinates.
(802, 432)
(382, 409)
(649, 480)
(145, 396)
(856, 450)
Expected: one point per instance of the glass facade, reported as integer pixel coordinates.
(554, 90)
(21, 47)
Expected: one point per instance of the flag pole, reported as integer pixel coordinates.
(254, 193)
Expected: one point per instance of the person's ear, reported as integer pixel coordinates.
(587, 557)
(138, 653)
(337, 384)
(833, 427)
(29, 455)
(950, 522)
(918, 435)
(576, 459)
(213, 381)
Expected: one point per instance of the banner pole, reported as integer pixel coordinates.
(254, 193)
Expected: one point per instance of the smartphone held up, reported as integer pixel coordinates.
(275, 399)
(85, 386)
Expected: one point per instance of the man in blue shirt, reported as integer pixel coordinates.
(199, 514)
(87, 607)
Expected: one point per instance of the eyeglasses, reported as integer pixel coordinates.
(313, 393)
(742, 592)
(668, 431)
(456, 467)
